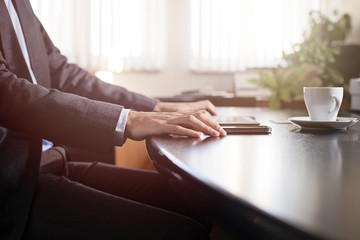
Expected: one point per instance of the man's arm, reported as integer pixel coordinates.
(56, 116)
(59, 116)
(77, 121)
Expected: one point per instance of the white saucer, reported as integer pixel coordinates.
(340, 123)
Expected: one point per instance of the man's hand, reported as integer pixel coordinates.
(141, 125)
(186, 107)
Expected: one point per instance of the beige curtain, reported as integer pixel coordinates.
(233, 35)
(115, 35)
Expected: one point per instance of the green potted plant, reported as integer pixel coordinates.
(308, 64)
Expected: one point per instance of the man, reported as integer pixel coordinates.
(42, 96)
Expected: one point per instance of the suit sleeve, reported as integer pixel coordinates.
(71, 78)
(60, 117)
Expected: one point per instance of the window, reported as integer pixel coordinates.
(116, 35)
(130, 35)
(233, 35)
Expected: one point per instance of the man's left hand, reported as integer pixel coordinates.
(186, 107)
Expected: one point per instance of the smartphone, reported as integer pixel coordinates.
(236, 129)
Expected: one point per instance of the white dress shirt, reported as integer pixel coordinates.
(119, 138)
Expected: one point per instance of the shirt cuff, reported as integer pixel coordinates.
(119, 135)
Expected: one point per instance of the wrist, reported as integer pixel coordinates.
(129, 122)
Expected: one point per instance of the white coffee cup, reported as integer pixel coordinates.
(323, 103)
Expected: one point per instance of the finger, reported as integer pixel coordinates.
(193, 122)
(208, 106)
(166, 115)
(181, 131)
(210, 121)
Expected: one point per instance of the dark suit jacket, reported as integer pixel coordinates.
(68, 106)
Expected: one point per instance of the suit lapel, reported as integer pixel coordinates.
(34, 42)
(10, 45)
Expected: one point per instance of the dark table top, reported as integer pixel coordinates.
(289, 182)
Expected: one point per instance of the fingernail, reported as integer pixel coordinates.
(215, 133)
(199, 134)
(223, 132)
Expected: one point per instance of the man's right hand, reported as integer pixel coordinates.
(141, 125)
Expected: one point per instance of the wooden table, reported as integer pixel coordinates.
(287, 185)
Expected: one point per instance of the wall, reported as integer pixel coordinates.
(177, 77)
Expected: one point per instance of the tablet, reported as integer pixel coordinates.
(237, 121)
(236, 129)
